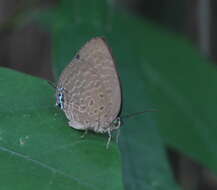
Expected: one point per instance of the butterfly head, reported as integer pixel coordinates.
(60, 98)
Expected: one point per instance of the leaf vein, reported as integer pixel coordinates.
(43, 165)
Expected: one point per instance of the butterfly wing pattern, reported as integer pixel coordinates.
(89, 91)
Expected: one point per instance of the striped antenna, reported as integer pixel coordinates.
(52, 84)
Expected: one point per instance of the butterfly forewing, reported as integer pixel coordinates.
(92, 95)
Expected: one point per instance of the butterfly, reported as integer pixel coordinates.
(89, 91)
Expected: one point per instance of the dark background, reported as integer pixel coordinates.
(27, 48)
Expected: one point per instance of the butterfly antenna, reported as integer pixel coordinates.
(52, 84)
(137, 113)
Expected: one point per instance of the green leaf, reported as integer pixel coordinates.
(158, 70)
(39, 150)
(145, 165)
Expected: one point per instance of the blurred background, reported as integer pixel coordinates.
(26, 46)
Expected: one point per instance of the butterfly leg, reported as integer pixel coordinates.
(109, 139)
(84, 134)
(117, 135)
